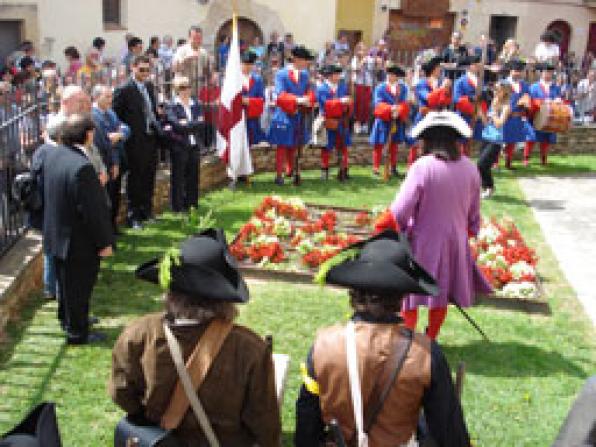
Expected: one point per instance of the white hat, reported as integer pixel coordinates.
(444, 118)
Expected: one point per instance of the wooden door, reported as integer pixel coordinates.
(247, 31)
(563, 31)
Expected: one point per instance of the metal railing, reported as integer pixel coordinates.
(21, 125)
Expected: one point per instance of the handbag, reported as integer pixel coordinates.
(492, 135)
(39, 428)
(150, 435)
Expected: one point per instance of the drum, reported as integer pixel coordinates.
(553, 117)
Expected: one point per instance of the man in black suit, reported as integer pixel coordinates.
(77, 229)
(134, 103)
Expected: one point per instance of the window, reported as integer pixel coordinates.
(111, 12)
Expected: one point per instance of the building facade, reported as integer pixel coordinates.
(410, 25)
(55, 24)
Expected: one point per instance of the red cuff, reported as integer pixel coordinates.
(333, 108)
(287, 102)
(465, 106)
(383, 111)
(484, 107)
(311, 97)
(403, 111)
(386, 221)
(535, 106)
(255, 107)
(434, 99)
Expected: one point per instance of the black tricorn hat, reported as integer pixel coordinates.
(544, 66)
(385, 265)
(429, 66)
(396, 70)
(328, 70)
(468, 60)
(301, 52)
(249, 57)
(515, 64)
(206, 270)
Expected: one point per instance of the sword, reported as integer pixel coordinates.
(471, 321)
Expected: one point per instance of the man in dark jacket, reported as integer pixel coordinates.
(76, 225)
(134, 103)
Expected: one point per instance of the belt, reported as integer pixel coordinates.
(518, 114)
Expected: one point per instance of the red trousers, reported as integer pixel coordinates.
(378, 155)
(466, 148)
(543, 151)
(509, 148)
(436, 317)
(412, 155)
(362, 103)
(284, 153)
(325, 157)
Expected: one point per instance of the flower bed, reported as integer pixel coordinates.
(286, 233)
(287, 239)
(505, 259)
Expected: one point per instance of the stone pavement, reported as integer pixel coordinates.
(565, 207)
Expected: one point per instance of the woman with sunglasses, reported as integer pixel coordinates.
(186, 124)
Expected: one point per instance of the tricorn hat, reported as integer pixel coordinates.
(515, 64)
(249, 57)
(544, 66)
(384, 265)
(429, 66)
(468, 60)
(446, 119)
(301, 52)
(396, 70)
(328, 70)
(204, 269)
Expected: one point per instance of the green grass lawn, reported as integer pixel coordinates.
(518, 388)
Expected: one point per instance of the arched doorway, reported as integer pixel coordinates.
(562, 29)
(247, 31)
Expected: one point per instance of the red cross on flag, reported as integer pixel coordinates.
(232, 139)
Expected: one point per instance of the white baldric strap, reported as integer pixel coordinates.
(191, 393)
(355, 388)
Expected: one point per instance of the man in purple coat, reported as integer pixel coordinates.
(438, 207)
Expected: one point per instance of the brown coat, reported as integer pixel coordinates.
(398, 418)
(238, 393)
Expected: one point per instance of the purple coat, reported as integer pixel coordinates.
(437, 206)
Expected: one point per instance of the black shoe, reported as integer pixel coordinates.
(49, 296)
(297, 180)
(340, 175)
(376, 172)
(394, 172)
(279, 181)
(325, 174)
(92, 338)
(346, 174)
(93, 321)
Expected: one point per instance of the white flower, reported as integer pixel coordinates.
(522, 268)
(524, 289)
(488, 233)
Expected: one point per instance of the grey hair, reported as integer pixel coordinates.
(181, 305)
(71, 90)
(98, 90)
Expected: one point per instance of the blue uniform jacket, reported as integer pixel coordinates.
(253, 126)
(324, 93)
(463, 86)
(517, 129)
(286, 130)
(381, 129)
(537, 92)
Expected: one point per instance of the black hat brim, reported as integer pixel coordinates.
(302, 53)
(397, 71)
(379, 277)
(430, 66)
(415, 278)
(199, 281)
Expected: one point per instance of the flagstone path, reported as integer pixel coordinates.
(565, 207)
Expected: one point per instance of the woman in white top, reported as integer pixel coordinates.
(548, 49)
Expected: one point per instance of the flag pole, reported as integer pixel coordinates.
(235, 33)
